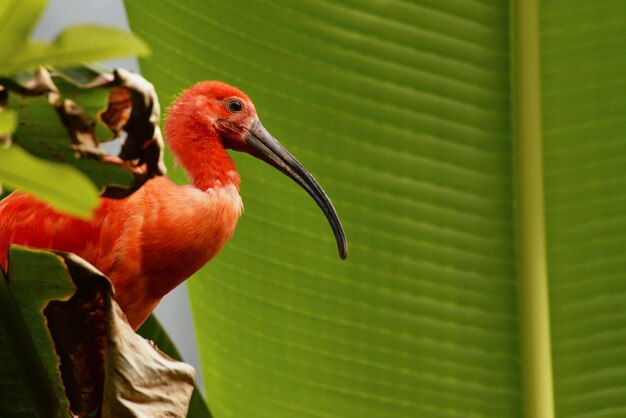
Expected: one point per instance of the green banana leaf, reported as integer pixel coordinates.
(424, 121)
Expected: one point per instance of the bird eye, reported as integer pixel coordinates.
(235, 106)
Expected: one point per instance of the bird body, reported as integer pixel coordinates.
(147, 243)
(152, 240)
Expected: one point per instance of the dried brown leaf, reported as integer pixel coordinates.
(141, 381)
(118, 110)
(79, 330)
(132, 108)
(107, 369)
(40, 84)
(145, 141)
(82, 129)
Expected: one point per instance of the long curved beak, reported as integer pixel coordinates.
(267, 148)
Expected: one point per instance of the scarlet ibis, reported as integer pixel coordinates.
(151, 241)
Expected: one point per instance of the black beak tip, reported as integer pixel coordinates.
(343, 250)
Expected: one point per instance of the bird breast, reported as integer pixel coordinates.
(170, 232)
(183, 229)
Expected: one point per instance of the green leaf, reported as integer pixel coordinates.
(152, 330)
(62, 333)
(413, 116)
(407, 129)
(61, 185)
(583, 116)
(17, 19)
(76, 45)
(29, 374)
(8, 122)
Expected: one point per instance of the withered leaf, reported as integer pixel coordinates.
(79, 329)
(119, 109)
(141, 381)
(81, 129)
(106, 367)
(144, 141)
(132, 108)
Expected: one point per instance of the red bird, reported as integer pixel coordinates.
(151, 241)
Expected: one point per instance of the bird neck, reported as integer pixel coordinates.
(207, 163)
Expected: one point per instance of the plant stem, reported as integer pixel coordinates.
(531, 250)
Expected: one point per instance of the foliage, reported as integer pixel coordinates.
(58, 325)
(405, 112)
(75, 45)
(8, 122)
(31, 367)
(48, 181)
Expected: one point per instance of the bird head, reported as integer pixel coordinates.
(225, 112)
